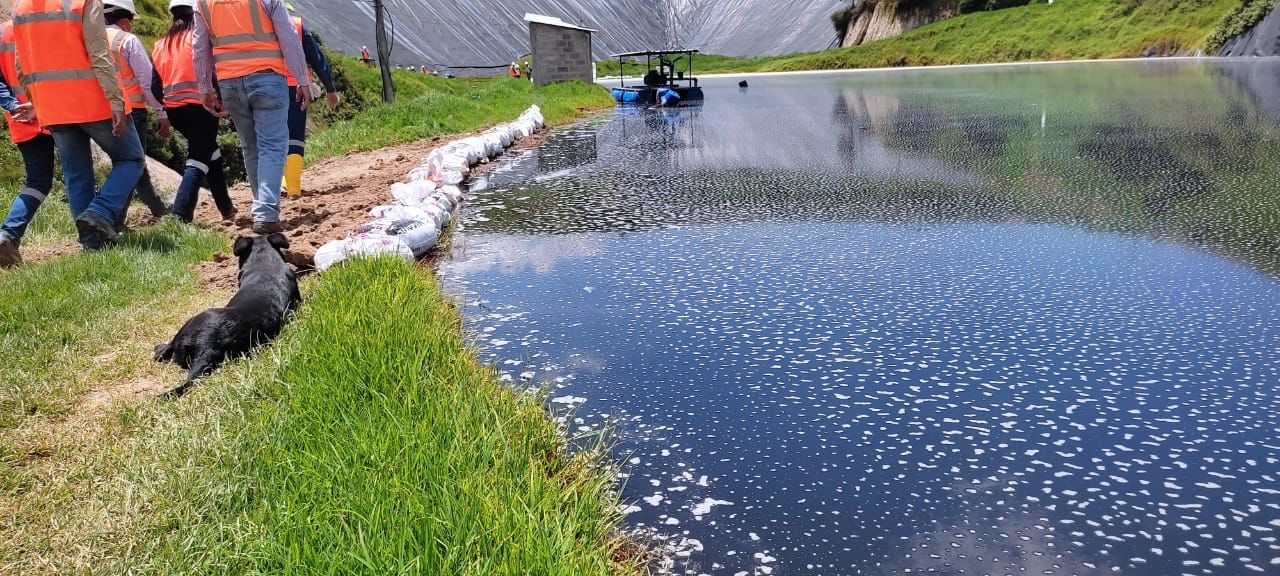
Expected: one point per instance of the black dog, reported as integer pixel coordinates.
(254, 316)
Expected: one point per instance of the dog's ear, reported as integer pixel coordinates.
(278, 240)
(242, 246)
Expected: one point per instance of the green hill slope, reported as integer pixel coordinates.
(1063, 30)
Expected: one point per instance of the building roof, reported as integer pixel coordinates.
(655, 52)
(551, 21)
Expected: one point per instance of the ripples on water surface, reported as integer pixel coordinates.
(981, 321)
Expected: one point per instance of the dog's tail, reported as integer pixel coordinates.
(201, 366)
(164, 352)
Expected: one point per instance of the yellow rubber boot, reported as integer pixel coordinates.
(293, 175)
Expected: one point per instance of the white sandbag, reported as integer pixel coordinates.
(430, 166)
(413, 193)
(373, 244)
(474, 148)
(504, 136)
(493, 144)
(403, 212)
(420, 174)
(444, 202)
(460, 151)
(331, 253)
(453, 192)
(417, 235)
(449, 177)
(456, 162)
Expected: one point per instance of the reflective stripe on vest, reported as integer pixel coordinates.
(128, 80)
(297, 26)
(49, 35)
(244, 38)
(176, 67)
(18, 131)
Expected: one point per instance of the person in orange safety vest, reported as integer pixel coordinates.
(250, 45)
(134, 67)
(34, 144)
(76, 94)
(175, 85)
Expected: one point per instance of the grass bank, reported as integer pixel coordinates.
(367, 441)
(74, 333)
(1064, 30)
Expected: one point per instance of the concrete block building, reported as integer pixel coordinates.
(560, 51)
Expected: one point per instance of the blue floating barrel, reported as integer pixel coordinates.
(668, 97)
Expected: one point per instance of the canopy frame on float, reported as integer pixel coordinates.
(657, 83)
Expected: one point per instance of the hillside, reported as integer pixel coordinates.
(1063, 30)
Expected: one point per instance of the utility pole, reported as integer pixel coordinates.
(384, 53)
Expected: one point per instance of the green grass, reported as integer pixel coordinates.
(68, 325)
(367, 440)
(464, 106)
(55, 313)
(1064, 30)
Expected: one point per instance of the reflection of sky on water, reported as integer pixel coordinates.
(871, 366)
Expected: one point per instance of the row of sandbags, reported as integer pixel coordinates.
(409, 226)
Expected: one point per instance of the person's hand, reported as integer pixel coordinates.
(25, 113)
(333, 99)
(214, 105)
(304, 96)
(119, 123)
(165, 130)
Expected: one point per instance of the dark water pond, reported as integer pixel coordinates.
(977, 321)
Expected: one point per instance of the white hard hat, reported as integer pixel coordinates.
(188, 3)
(120, 4)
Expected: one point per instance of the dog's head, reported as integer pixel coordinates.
(246, 246)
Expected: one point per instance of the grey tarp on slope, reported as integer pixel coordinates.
(492, 32)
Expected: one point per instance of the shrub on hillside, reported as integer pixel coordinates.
(1236, 22)
(967, 6)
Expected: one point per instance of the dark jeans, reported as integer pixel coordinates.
(37, 155)
(145, 190)
(297, 124)
(204, 161)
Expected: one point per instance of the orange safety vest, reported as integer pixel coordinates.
(297, 25)
(176, 66)
(244, 39)
(19, 131)
(128, 80)
(49, 35)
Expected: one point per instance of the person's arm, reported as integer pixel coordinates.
(317, 61)
(7, 101)
(157, 86)
(202, 52)
(294, 58)
(140, 62)
(95, 43)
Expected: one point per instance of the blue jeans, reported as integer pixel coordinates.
(259, 107)
(37, 155)
(127, 162)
